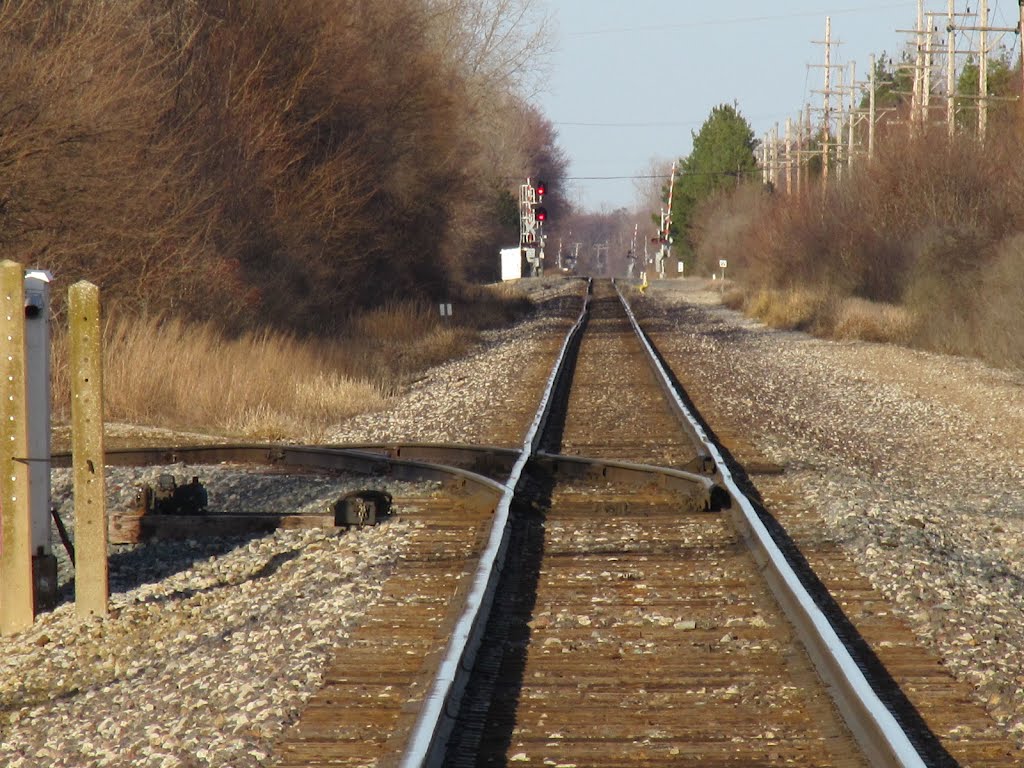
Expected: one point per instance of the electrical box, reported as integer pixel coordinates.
(511, 263)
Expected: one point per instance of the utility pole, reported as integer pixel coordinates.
(789, 156)
(871, 109)
(840, 127)
(1020, 32)
(852, 111)
(983, 28)
(826, 104)
(926, 49)
(765, 175)
(916, 99)
(926, 73)
(951, 69)
(826, 113)
(983, 70)
(774, 155)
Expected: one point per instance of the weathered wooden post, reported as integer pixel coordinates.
(92, 588)
(16, 595)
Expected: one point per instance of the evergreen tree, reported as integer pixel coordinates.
(723, 155)
(893, 84)
(999, 82)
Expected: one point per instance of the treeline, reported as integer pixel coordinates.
(266, 162)
(922, 245)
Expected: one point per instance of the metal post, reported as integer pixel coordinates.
(37, 362)
(91, 585)
(16, 594)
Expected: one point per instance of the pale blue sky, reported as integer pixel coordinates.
(664, 64)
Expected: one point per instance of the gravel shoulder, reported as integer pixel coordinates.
(914, 461)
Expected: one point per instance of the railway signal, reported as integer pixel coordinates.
(532, 216)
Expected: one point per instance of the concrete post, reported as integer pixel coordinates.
(92, 588)
(16, 595)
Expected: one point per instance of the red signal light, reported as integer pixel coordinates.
(541, 213)
(541, 188)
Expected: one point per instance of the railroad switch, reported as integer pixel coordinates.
(361, 508)
(169, 498)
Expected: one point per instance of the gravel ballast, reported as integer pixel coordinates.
(914, 461)
(212, 647)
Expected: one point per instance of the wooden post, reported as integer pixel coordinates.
(1020, 32)
(789, 156)
(951, 70)
(916, 108)
(775, 156)
(92, 588)
(765, 172)
(853, 111)
(16, 597)
(926, 86)
(983, 70)
(826, 112)
(871, 113)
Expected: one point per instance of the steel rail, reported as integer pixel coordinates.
(876, 730)
(436, 718)
(487, 460)
(482, 490)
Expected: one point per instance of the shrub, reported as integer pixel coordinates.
(920, 246)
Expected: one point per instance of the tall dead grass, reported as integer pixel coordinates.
(165, 372)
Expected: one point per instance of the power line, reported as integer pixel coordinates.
(738, 20)
(748, 172)
(680, 124)
(663, 124)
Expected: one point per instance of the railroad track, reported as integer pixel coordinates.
(604, 595)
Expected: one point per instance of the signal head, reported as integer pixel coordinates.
(541, 188)
(541, 213)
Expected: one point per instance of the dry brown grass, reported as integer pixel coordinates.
(268, 386)
(873, 321)
(795, 309)
(164, 372)
(735, 297)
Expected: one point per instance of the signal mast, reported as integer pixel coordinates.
(663, 239)
(532, 216)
